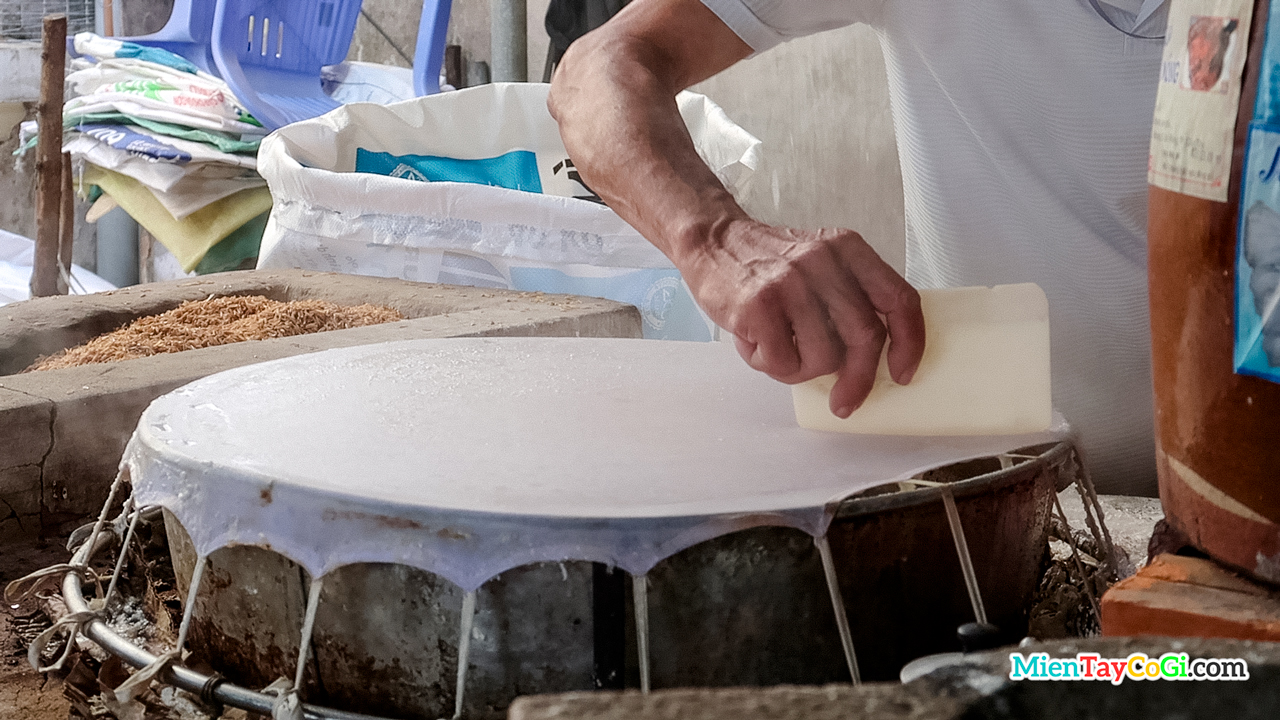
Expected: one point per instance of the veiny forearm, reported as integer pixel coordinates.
(614, 97)
(800, 303)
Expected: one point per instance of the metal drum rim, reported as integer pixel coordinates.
(859, 506)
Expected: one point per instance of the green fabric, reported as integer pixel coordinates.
(226, 142)
(149, 88)
(191, 237)
(233, 250)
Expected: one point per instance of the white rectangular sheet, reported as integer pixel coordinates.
(985, 371)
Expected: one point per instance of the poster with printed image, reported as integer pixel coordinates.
(1206, 42)
(1212, 44)
(1257, 350)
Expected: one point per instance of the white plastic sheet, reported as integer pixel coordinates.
(16, 254)
(468, 457)
(354, 81)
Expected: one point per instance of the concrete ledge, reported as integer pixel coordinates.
(25, 422)
(72, 424)
(43, 326)
(26, 436)
(881, 701)
(978, 688)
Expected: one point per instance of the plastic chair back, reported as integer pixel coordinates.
(428, 55)
(270, 52)
(186, 33)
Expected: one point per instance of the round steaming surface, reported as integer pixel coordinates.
(528, 426)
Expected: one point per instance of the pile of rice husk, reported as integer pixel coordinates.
(217, 321)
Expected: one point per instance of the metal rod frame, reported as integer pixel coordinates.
(230, 694)
(223, 692)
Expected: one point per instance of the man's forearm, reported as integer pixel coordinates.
(800, 303)
(619, 121)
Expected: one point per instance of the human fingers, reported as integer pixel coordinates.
(899, 303)
(788, 307)
(862, 334)
(745, 349)
(763, 337)
(837, 328)
(818, 344)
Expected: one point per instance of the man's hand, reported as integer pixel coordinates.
(803, 304)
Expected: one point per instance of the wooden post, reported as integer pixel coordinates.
(108, 18)
(453, 66)
(53, 58)
(66, 227)
(146, 248)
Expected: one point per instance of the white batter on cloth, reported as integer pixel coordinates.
(468, 457)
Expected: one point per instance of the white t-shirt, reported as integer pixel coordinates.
(1023, 129)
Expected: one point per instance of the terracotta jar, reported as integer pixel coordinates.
(1217, 433)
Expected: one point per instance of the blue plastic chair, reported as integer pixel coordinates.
(428, 54)
(270, 52)
(186, 33)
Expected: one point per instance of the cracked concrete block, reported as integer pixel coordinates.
(25, 433)
(18, 527)
(96, 414)
(977, 686)
(43, 326)
(19, 502)
(20, 490)
(873, 701)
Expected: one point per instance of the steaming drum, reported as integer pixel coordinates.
(510, 500)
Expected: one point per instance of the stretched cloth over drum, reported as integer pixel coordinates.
(469, 457)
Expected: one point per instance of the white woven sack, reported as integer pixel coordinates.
(328, 217)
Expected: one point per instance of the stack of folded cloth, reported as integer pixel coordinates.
(170, 145)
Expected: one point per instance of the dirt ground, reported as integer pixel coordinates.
(24, 693)
(74, 693)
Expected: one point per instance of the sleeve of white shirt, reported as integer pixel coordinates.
(765, 23)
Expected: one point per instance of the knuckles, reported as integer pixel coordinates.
(908, 297)
(867, 333)
(781, 272)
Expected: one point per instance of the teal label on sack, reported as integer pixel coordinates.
(516, 170)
